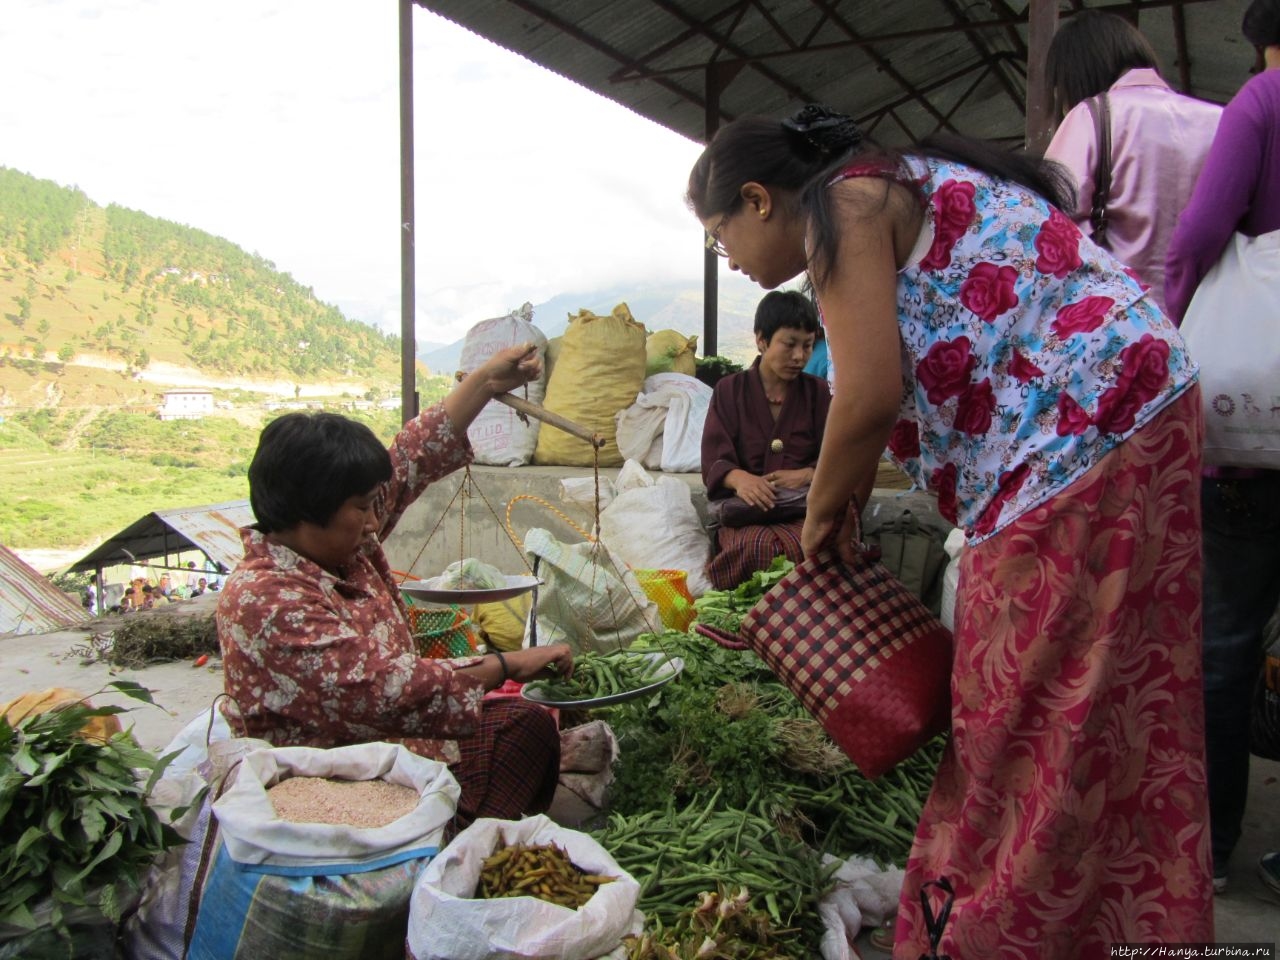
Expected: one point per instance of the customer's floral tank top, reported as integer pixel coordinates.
(1028, 351)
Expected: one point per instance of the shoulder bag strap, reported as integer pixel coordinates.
(1100, 110)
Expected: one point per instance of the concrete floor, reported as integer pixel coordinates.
(1245, 913)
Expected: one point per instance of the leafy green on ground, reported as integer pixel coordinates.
(76, 831)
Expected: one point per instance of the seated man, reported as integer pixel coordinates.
(315, 636)
(760, 443)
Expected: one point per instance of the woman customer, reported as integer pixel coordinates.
(1158, 138)
(1016, 369)
(760, 443)
(1238, 190)
(314, 635)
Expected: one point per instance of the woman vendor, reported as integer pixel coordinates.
(760, 443)
(314, 634)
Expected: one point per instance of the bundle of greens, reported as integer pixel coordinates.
(76, 832)
(724, 609)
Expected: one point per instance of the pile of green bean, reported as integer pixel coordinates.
(676, 855)
(598, 675)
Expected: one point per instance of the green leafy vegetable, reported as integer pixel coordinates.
(75, 827)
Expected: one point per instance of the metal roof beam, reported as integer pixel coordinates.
(883, 62)
(635, 72)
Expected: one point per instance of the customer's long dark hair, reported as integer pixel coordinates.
(801, 154)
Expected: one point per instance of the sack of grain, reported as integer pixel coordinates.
(282, 887)
(598, 372)
(498, 436)
(670, 351)
(448, 922)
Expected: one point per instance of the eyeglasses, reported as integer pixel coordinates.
(714, 243)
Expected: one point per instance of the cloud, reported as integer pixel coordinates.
(276, 125)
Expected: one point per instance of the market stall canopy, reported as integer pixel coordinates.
(213, 529)
(29, 603)
(903, 69)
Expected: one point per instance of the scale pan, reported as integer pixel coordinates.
(433, 592)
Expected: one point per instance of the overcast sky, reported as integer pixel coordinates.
(274, 124)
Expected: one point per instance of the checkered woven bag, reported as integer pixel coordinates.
(862, 653)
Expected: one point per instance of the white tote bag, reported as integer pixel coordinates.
(1232, 330)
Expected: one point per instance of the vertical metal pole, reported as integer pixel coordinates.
(711, 262)
(1042, 22)
(408, 336)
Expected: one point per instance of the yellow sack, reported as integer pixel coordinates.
(30, 704)
(503, 622)
(670, 351)
(599, 371)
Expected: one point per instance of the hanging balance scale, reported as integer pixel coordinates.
(646, 671)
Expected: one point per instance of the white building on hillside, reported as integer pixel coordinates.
(186, 404)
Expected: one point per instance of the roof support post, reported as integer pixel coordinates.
(1042, 23)
(408, 336)
(710, 262)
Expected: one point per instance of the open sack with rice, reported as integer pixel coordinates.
(322, 867)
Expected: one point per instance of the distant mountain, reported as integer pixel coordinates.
(671, 306)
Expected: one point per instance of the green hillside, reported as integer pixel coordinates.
(86, 288)
(97, 302)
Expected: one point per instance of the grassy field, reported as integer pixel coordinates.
(72, 478)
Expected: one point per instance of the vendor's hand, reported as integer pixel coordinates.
(534, 663)
(790, 479)
(511, 368)
(755, 491)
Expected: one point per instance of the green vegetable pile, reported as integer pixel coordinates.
(724, 609)
(76, 832)
(722, 775)
(601, 675)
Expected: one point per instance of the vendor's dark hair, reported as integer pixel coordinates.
(1090, 52)
(785, 308)
(308, 464)
(1261, 24)
(801, 154)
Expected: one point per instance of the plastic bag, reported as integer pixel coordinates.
(663, 428)
(588, 599)
(653, 525)
(447, 923)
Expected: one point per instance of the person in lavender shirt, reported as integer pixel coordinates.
(1159, 138)
(1239, 189)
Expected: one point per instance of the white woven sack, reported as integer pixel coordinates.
(254, 834)
(498, 436)
(447, 922)
(589, 599)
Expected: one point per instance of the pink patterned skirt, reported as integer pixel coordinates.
(1070, 811)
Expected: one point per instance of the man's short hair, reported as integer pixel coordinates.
(785, 308)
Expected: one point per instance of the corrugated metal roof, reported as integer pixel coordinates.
(29, 603)
(904, 69)
(213, 529)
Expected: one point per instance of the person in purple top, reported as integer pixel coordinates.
(1238, 189)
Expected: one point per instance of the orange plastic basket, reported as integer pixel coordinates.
(442, 632)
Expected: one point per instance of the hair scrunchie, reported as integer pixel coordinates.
(822, 132)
